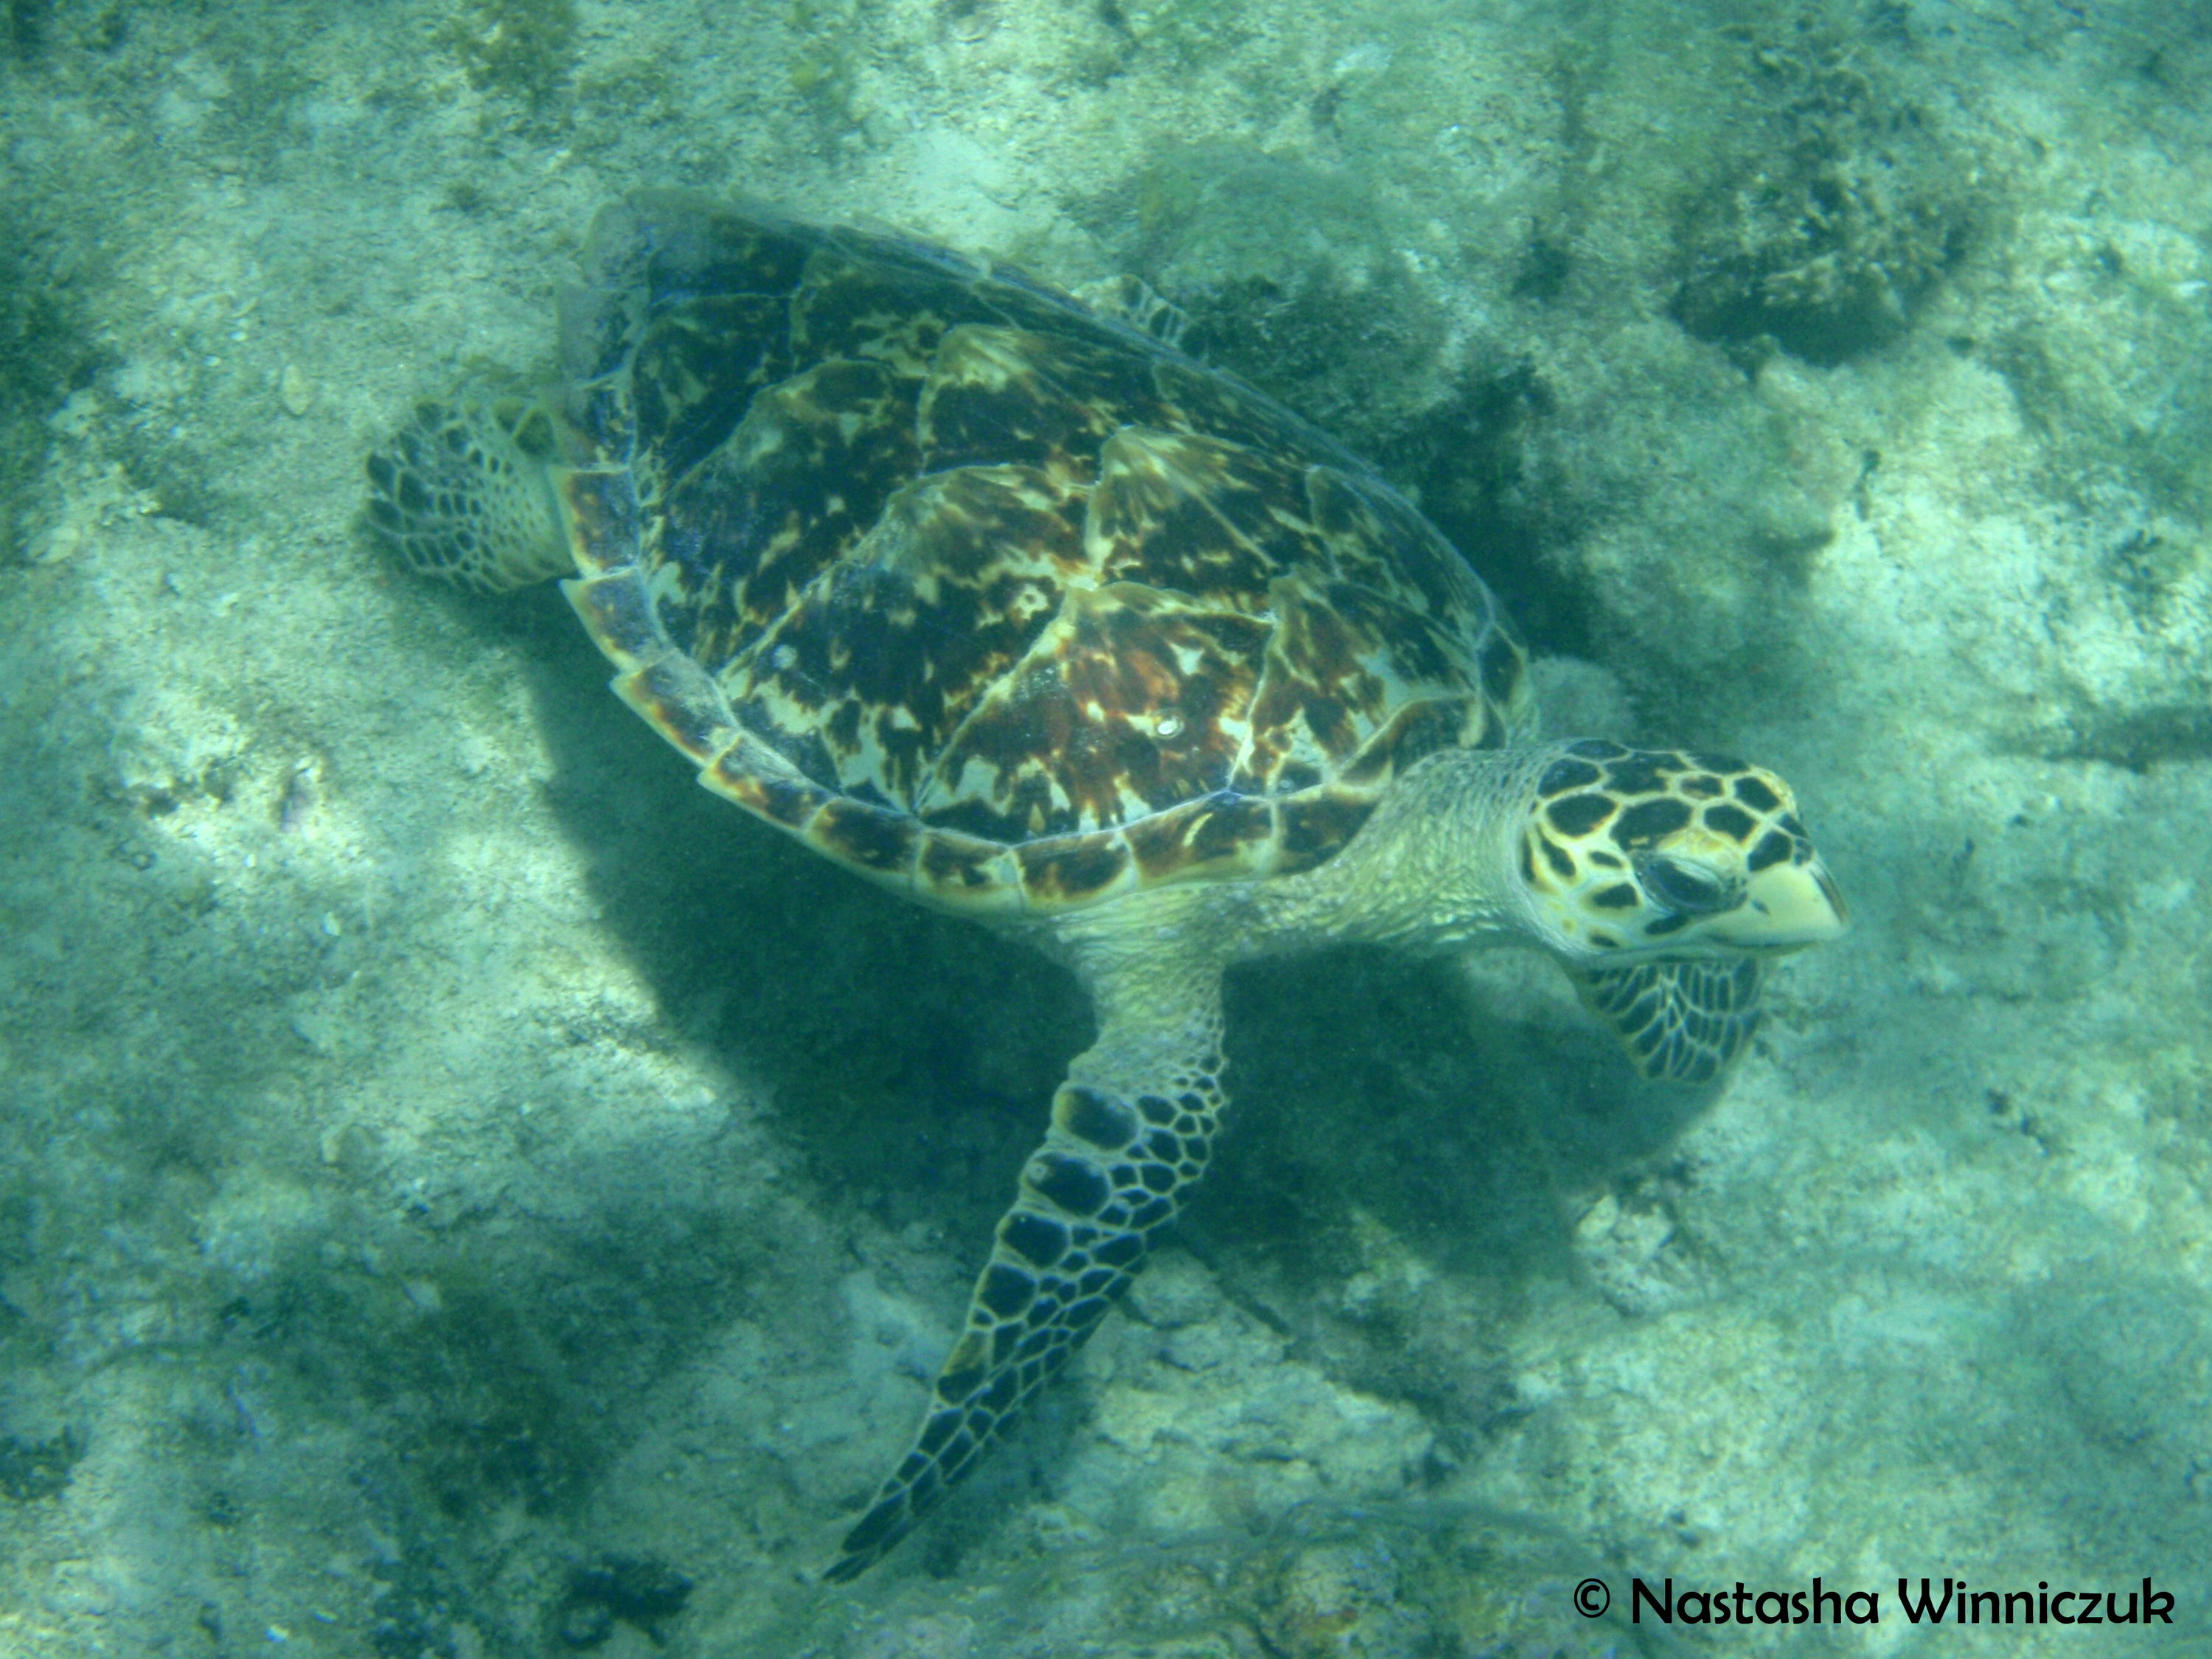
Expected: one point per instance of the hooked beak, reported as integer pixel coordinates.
(1786, 907)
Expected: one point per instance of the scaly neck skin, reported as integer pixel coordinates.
(1433, 868)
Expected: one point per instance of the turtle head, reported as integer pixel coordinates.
(1635, 855)
(465, 490)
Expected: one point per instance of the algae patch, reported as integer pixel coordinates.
(1828, 236)
(46, 351)
(524, 48)
(37, 1468)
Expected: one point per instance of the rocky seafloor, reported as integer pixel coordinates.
(466, 1191)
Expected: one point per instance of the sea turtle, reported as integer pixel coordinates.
(1005, 603)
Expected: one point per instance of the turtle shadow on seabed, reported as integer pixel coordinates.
(904, 1052)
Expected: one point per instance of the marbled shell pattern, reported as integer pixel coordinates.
(988, 595)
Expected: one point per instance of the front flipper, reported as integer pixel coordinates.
(1131, 1130)
(1680, 1021)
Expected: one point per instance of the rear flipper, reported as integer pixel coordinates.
(1131, 1130)
(1680, 1021)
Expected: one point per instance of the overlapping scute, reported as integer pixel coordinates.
(971, 559)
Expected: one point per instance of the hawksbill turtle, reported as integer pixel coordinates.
(1007, 604)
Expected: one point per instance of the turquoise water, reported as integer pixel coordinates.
(465, 1190)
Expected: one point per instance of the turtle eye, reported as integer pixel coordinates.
(1683, 890)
